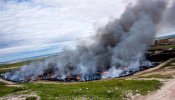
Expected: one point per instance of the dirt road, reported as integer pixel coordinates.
(6, 82)
(167, 92)
(20, 97)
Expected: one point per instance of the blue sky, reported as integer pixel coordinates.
(37, 27)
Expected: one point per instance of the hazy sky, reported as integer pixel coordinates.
(40, 25)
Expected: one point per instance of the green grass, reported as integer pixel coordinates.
(31, 98)
(162, 47)
(101, 90)
(7, 67)
(13, 65)
(157, 76)
(22, 63)
(113, 89)
(173, 47)
(8, 90)
(171, 64)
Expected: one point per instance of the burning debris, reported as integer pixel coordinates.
(116, 50)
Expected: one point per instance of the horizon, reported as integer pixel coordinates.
(49, 50)
(31, 28)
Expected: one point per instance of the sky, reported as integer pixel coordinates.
(37, 27)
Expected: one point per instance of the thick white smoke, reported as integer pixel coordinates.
(117, 49)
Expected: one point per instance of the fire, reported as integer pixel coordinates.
(105, 72)
(124, 68)
(40, 77)
(78, 78)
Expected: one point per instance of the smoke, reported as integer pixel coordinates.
(168, 19)
(169, 16)
(117, 49)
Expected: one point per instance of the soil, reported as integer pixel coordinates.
(167, 92)
(6, 82)
(20, 96)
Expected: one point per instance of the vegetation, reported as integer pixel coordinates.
(14, 65)
(171, 64)
(7, 67)
(157, 76)
(8, 90)
(163, 47)
(22, 63)
(31, 98)
(173, 46)
(103, 89)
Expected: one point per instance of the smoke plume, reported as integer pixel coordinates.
(169, 16)
(118, 48)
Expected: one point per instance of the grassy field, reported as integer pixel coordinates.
(163, 47)
(173, 47)
(171, 64)
(19, 64)
(13, 65)
(112, 89)
(31, 98)
(157, 76)
(8, 90)
(6, 67)
(101, 90)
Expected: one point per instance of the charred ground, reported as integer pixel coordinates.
(108, 88)
(155, 55)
